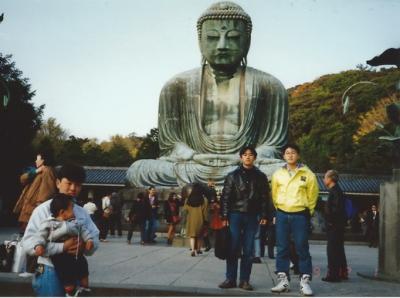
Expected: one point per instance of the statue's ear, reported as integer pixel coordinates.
(393, 112)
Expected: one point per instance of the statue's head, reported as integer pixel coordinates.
(224, 32)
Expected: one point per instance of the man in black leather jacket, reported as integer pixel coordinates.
(245, 196)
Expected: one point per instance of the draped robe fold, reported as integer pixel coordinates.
(189, 154)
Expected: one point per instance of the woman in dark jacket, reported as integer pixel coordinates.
(171, 212)
(137, 217)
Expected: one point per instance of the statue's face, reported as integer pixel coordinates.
(224, 43)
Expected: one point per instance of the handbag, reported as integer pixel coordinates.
(176, 219)
(222, 243)
(19, 263)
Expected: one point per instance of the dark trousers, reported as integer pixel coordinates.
(242, 227)
(132, 226)
(70, 268)
(115, 223)
(335, 251)
(104, 224)
(373, 236)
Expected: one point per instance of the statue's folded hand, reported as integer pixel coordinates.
(181, 152)
(267, 152)
(217, 160)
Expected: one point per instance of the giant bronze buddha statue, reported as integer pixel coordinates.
(207, 114)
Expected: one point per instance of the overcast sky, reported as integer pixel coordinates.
(99, 66)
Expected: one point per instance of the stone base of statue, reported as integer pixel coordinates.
(389, 232)
(167, 174)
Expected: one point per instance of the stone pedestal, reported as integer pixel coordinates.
(389, 229)
(389, 232)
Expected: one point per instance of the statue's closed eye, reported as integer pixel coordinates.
(233, 34)
(212, 35)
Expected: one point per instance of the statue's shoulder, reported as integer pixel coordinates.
(264, 78)
(183, 78)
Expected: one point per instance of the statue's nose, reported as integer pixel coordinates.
(222, 44)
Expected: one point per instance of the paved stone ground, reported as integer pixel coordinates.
(122, 265)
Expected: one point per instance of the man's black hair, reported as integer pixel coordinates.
(291, 146)
(72, 172)
(59, 202)
(245, 148)
(47, 157)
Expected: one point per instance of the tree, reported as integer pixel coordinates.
(72, 151)
(50, 137)
(119, 156)
(131, 142)
(150, 148)
(350, 142)
(19, 122)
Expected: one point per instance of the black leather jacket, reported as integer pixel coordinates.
(246, 191)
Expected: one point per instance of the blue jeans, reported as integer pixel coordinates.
(47, 283)
(243, 228)
(297, 226)
(152, 228)
(146, 230)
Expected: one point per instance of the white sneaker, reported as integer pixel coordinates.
(283, 284)
(26, 274)
(305, 288)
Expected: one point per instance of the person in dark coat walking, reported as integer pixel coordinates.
(335, 213)
(137, 217)
(372, 221)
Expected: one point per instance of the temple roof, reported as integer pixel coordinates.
(350, 184)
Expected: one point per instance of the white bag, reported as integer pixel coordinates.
(19, 264)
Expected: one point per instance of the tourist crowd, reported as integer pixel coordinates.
(250, 213)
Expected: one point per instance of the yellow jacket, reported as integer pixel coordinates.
(296, 193)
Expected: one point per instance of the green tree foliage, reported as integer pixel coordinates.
(72, 151)
(50, 139)
(119, 156)
(150, 148)
(54, 140)
(19, 122)
(326, 136)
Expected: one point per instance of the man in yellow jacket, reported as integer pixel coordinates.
(295, 194)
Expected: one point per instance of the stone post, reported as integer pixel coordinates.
(389, 229)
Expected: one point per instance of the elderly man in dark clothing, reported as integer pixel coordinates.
(335, 223)
(245, 197)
